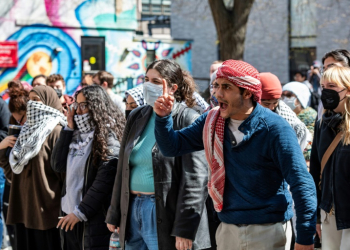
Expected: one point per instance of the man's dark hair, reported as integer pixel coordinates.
(104, 76)
(39, 76)
(302, 73)
(54, 78)
(241, 91)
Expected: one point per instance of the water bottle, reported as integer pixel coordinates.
(114, 243)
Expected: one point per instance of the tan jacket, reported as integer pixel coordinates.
(35, 194)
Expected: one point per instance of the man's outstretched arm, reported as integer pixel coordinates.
(175, 143)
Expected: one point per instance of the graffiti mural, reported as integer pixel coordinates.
(49, 40)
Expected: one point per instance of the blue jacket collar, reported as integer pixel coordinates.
(253, 119)
(250, 125)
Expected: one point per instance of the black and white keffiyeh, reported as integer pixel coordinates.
(137, 94)
(200, 101)
(84, 123)
(41, 120)
(299, 127)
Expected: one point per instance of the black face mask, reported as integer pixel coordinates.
(127, 113)
(59, 92)
(330, 98)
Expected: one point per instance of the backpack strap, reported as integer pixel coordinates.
(329, 152)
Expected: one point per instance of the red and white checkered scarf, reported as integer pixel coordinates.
(242, 75)
(213, 140)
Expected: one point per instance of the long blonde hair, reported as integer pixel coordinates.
(341, 77)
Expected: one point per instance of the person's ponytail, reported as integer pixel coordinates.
(18, 100)
(186, 89)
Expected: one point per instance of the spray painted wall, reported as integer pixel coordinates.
(41, 26)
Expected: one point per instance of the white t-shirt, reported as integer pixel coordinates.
(233, 126)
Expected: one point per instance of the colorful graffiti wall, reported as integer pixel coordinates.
(42, 26)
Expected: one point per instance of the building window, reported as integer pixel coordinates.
(93, 53)
(156, 7)
(300, 59)
(150, 57)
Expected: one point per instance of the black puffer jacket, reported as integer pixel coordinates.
(180, 185)
(97, 191)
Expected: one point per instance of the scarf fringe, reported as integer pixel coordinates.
(213, 138)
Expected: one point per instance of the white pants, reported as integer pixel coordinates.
(254, 237)
(333, 239)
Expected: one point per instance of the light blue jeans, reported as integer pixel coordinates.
(141, 233)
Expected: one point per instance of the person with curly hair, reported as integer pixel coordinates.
(166, 195)
(87, 151)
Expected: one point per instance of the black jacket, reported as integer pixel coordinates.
(335, 185)
(180, 185)
(97, 190)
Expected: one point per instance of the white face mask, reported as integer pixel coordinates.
(151, 92)
(290, 102)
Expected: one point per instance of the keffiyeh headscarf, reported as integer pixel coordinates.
(200, 101)
(303, 134)
(137, 94)
(242, 75)
(42, 118)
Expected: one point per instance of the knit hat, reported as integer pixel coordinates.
(270, 85)
(301, 91)
(242, 75)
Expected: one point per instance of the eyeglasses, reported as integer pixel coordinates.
(81, 105)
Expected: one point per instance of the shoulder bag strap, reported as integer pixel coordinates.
(329, 152)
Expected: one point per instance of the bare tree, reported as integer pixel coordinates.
(231, 18)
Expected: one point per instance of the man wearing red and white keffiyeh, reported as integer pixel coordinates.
(252, 154)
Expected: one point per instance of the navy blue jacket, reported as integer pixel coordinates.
(335, 185)
(257, 170)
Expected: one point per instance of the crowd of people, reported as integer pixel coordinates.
(258, 165)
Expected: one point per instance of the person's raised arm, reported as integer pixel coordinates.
(175, 143)
(286, 153)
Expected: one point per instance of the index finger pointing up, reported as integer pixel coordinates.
(165, 88)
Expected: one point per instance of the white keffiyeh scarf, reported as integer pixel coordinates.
(299, 127)
(41, 120)
(84, 123)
